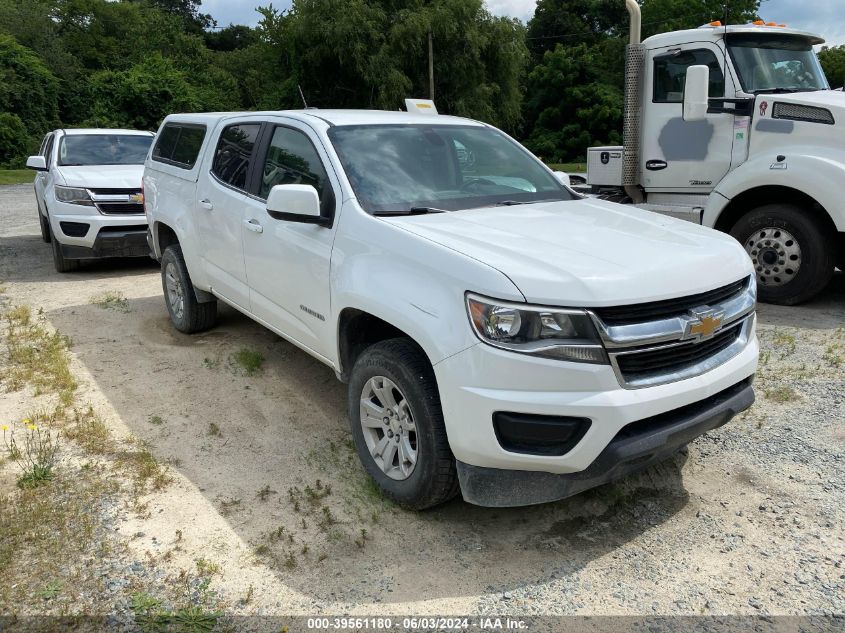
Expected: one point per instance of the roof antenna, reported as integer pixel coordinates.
(302, 96)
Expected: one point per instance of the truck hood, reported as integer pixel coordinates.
(588, 252)
(102, 176)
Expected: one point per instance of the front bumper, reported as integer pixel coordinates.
(111, 243)
(85, 233)
(638, 446)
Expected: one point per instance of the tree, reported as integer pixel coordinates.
(27, 88)
(833, 63)
(14, 141)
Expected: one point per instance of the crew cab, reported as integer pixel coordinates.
(501, 335)
(88, 193)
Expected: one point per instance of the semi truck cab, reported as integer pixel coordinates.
(736, 127)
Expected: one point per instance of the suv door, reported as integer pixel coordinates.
(684, 156)
(221, 202)
(288, 263)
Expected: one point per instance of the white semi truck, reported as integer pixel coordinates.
(736, 128)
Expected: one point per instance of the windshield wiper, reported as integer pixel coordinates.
(780, 91)
(509, 203)
(411, 211)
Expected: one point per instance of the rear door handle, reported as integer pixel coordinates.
(207, 204)
(253, 226)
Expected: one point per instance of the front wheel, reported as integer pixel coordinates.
(45, 225)
(60, 262)
(793, 255)
(186, 313)
(397, 425)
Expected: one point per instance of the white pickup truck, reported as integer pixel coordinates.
(500, 334)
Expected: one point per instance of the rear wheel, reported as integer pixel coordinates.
(397, 425)
(793, 255)
(62, 264)
(187, 314)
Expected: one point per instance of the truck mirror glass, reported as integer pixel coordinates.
(563, 177)
(696, 93)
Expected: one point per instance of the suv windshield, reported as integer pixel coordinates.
(401, 168)
(103, 149)
(776, 63)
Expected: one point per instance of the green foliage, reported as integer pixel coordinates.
(14, 141)
(833, 63)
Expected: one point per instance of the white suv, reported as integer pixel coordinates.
(500, 334)
(88, 191)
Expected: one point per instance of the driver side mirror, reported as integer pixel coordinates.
(696, 93)
(296, 203)
(38, 163)
(564, 178)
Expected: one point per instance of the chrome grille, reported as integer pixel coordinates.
(117, 201)
(666, 341)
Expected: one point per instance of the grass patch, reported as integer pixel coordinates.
(147, 472)
(36, 356)
(782, 394)
(111, 301)
(569, 168)
(89, 431)
(214, 430)
(249, 361)
(16, 176)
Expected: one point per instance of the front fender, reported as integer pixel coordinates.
(819, 177)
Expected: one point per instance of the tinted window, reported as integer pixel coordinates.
(234, 150)
(291, 160)
(48, 150)
(179, 144)
(670, 74)
(103, 149)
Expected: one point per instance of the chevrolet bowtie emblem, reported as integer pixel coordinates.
(703, 324)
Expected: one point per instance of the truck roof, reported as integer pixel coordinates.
(714, 33)
(91, 130)
(333, 117)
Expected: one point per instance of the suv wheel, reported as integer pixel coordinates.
(397, 425)
(187, 314)
(792, 253)
(62, 264)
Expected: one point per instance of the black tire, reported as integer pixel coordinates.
(193, 316)
(434, 478)
(45, 226)
(817, 252)
(62, 264)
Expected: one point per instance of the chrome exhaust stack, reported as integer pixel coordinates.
(632, 113)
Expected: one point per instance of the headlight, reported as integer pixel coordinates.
(547, 332)
(73, 195)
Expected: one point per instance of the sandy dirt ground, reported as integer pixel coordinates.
(750, 520)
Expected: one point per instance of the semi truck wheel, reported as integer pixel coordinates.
(186, 313)
(793, 254)
(397, 425)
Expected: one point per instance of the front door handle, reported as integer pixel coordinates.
(656, 165)
(207, 204)
(253, 226)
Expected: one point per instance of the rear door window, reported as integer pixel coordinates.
(179, 144)
(234, 152)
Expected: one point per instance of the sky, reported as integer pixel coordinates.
(825, 17)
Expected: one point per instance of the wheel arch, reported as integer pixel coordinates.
(164, 236)
(358, 329)
(769, 194)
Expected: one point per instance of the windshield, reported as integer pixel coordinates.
(775, 63)
(400, 168)
(103, 149)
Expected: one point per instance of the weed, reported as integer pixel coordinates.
(110, 300)
(362, 540)
(35, 449)
(214, 430)
(248, 360)
(156, 419)
(248, 597)
(326, 520)
(323, 556)
(262, 550)
(50, 590)
(178, 536)
(210, 363)
(834, 355)
(228, 506)
(290, 561)
(148, 472)
(206, 568)
(784, 341)
(89, 431)
(264, 493)
(782, 394)
(304, 549)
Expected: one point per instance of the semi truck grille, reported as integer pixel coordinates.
(668, 308)
(665, 341)
(675, 357)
